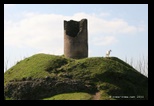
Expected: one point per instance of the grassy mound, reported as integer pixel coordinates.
(71, 96)
(112, 76)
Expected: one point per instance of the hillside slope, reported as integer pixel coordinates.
(45, 76)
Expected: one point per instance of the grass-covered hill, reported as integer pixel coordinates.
(50, 77)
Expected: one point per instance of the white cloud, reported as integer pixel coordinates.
(104, 14)
(105, 40)
(45, 31)
(115, 26)
(141, 28)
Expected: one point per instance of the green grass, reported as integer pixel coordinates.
(71, 96)
(8, 99)
(105, 96)
(37, 66)
(111, 75)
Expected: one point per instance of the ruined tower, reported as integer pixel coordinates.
(76, 39)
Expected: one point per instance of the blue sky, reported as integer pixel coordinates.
(38, 28)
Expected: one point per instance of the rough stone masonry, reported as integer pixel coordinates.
(76, 39)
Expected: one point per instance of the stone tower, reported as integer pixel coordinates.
(76, 39)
